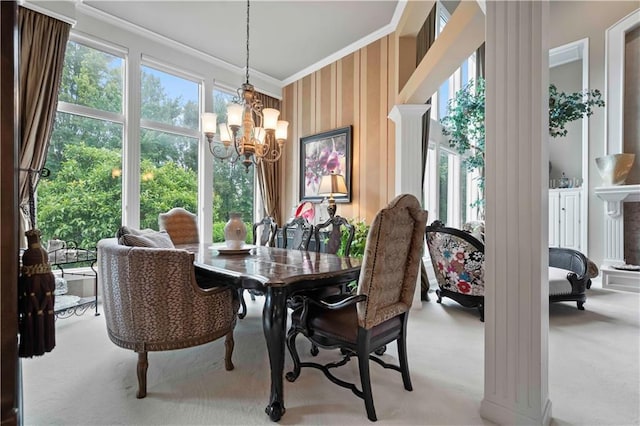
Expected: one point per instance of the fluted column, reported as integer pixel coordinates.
(408, 120)
(516, 275)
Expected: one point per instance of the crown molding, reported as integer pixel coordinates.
(37, 8)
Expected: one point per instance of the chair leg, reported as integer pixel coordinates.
(402, 355)
(228, 351)
(291, 376)
(481, 310)
(314, 349)
(365, 380)
(243, 312)
(143, 364)
(253, 296)
(580, 305)
(439, 296)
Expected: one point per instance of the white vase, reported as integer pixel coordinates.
(235, 231)
(615, 168)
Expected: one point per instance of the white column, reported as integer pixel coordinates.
(516, 293)
(408, 120)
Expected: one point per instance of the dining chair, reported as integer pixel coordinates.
(300, 231)
(268, 229)
(180, 224)
(458, 263)
(377, 314)
(328, 235)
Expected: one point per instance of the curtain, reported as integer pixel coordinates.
(268, 174)
(480, 62)
(43, 41)
(426, 37)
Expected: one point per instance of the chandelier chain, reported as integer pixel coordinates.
(247, 69)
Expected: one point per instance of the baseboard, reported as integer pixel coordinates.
(504, 416)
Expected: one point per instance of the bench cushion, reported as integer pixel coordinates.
(558, 282)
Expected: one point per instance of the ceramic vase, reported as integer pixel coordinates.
(235, 231)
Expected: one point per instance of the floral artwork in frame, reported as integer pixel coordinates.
(321, 154)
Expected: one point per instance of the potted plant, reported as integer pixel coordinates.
(464, 124)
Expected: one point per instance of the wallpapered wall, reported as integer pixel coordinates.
(357, 90)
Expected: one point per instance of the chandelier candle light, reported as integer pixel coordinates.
(252, 141)
(333, 184)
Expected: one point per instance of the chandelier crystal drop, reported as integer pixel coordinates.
(252, 134)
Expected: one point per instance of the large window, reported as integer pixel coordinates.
(450, 189)
(233, 186)
(81, 199)
(169, 135)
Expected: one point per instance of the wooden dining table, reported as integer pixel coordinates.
(279, 274)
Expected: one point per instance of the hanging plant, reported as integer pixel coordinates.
(464, 123)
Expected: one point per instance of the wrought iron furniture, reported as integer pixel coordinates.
(180, 224)
(268, 229)
(152, 302)
(377, 314)
(568, 276)
(279, 273)
(458, 263)
(300, 230)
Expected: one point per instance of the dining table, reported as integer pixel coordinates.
(279, 274)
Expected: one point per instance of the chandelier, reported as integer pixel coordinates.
(252, 134)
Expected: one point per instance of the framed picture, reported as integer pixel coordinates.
(321, 154)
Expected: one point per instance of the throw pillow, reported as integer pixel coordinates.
(152, 239)
(123, 230)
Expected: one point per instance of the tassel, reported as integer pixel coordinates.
(36, 300)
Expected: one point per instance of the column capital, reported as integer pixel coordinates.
(407, 110)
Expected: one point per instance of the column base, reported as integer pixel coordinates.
(505, 416)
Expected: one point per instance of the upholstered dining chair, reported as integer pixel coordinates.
(458, 262)
(300, 230)
(180, 224)
(152, 302)
(268, 229)
(377, 314)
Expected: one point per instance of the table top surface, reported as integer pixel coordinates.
(270, 266)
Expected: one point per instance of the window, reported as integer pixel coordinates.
(81, 199)
(169, 135)
(451, 188)
(233, 186)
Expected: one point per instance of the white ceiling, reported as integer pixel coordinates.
(286, 37)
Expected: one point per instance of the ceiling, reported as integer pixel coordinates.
(287, 38)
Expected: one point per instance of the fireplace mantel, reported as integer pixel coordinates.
(615, 195)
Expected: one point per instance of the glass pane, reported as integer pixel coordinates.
(464, 73)
(168, 174)
(81, 200)
(464, 203)
(233, 187)
(443, 99)
(443, 171)
(169, 99)
(92, 78)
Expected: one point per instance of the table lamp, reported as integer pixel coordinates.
(332, 184)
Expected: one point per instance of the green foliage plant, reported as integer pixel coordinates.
(357, 245)
(464, 123)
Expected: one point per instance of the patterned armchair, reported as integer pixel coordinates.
(152, 303)
(378, 313)
(458, 263)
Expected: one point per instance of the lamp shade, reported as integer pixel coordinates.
(209, 120)
(234, 114)
(270, 116)
(224, 133)
(332, 184)
(281, 130)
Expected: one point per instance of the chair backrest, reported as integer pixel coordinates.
(180, 224)
(391, 262)
(333, 237)
(457, 258)
(300, 230)
(268, 229)
(569, 259)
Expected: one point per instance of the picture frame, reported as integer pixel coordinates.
(319, 155)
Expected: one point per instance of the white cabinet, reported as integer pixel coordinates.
(564, 218)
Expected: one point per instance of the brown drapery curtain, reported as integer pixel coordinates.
(268, 174)
(43, 41)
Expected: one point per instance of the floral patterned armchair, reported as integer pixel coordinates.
(458, 262)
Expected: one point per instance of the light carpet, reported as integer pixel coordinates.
(594, 374)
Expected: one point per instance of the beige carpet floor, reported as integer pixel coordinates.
(594, 374)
